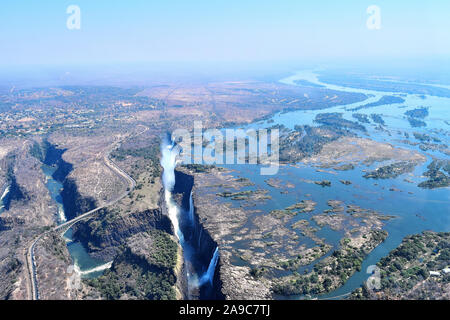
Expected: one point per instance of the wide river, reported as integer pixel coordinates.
(416, 209)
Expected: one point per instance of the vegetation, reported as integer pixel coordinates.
(138, 276)
(377, 118)
(300, 207)
(199, 168)
(417, 113)
(438, 174)
(306, 141)
(361, 117)
(414, 115)
(323, 183)
(335, 119)
(333, 271)
(148, 153)
(383, 101)
(405, 272)
(416, 123)
(245, 195)
(56, 245)
(423, 137)
(391, 171)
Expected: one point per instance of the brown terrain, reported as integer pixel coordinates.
(98, 131)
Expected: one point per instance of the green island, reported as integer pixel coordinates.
(417, 269)
(333, 271)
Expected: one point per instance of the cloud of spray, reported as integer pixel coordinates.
(169, 153)
(208, 276)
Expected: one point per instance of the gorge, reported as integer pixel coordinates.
(200, 254)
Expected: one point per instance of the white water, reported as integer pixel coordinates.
(191, 210)
(169, 153)
(209, 274)
(96, 269)
(5, 193)
(61, 214)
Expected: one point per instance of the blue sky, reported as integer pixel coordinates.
(35, 33)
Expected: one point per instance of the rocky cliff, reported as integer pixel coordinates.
(143, 269)
(196, 234)
(104, 234)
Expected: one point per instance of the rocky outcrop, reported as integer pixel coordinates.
(74, 203)
(9, 269)
(216, 226)
(103, 235)
(143, 269)
(182, 188)
(15, 192)
(198, 237)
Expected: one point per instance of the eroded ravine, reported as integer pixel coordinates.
(200, 253)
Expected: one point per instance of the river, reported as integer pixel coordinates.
(84, 264)
(199, 275)
(416, 209)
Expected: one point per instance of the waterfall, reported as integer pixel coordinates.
(102, 267)
(199, 239)
(191, 254)
(191, 210)
(169, 153)
(4, 195)
(209, 274)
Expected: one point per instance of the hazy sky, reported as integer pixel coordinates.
(35, 32)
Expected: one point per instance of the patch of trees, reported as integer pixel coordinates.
(138, 277)
(391, 171)
(335, 119)
(438, 174)
(417, 113)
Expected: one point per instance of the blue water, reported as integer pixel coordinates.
(196, 278)
(415, 209)
(77, 251)
(81, 257)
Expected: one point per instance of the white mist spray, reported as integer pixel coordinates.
(208, 276)
(5, 193)
(191, 210)
(169, 153)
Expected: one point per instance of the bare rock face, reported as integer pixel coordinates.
(31, 200)
(29, 208)
(352, 150)
(10, 267)
(217, 223)
(54, 271)
(237, 283)
(88, 181)
(143, 269)
(103, 234)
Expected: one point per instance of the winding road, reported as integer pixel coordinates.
(33, 290)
